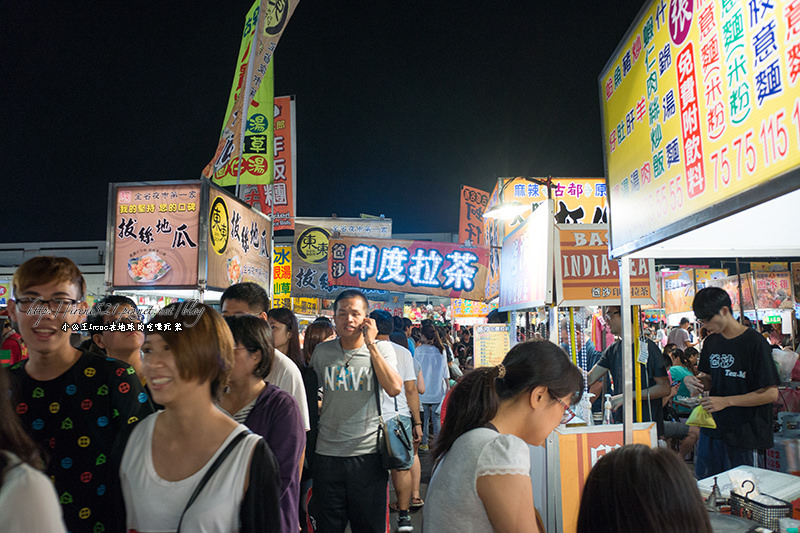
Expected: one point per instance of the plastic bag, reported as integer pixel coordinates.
(701, 418)
(785, 360)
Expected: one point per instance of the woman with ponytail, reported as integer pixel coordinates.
(481, 478)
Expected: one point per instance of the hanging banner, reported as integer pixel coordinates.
(575, 201)
(526, 280)
(769, 267)
(256, 165)
(491, 344)
(394, 305)
(419, 267)
(470, 222)
(731, 286)
(678, 291)
(273, 19)
(310, 252)
(285, 176)
(5, 291)
(585, 275)
(703, 275)
(239, 243)
(700, 115)
(155, 234)
(469, 309)
(774, 290)
(282, 277)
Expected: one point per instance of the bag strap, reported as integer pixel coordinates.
(378, 390)
(210, 472)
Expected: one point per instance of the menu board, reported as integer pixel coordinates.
(701, 115)
(491, 344)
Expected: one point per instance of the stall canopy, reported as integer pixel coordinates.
(764, 230)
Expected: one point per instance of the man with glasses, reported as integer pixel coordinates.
(74, 404)
(736, 368)
(654, 380)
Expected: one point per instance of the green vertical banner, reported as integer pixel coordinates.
(257, 158)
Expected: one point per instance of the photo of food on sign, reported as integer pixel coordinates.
(234, 270)
(147, 268)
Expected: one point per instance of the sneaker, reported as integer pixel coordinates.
(423, 447)
(404, 523)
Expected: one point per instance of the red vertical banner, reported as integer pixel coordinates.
(285, 163)
(690, 123)
(470, 223)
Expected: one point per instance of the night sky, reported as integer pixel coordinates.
(398, 103)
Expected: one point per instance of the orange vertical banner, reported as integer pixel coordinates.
(470, 222)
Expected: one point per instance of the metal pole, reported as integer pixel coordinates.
(741, 297)
(627, 353)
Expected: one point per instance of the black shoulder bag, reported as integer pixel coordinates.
(394, 442)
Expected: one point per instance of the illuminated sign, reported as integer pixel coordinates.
(156, 234)
(310, 253)
(421, 267)
(586, 276)
(526, 277)
(701, 115)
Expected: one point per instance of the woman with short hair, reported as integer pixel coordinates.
(188, 355)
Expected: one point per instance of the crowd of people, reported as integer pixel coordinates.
(235, 420)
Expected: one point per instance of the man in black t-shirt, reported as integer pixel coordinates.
(654, 380)
(75, 405)
(736, 367)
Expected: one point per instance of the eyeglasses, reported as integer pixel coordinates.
(569, 414)
(706, 320)
(25, 304)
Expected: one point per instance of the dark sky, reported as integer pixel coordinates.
(398, 103)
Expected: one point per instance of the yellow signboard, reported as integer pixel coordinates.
(491, 344)
(282, 276)
(5, 291)
(239, 241)
(700, 107)
(575, 201)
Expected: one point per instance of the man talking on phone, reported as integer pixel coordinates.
(350, 485)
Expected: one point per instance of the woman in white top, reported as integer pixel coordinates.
(481, 479)
(188, 355)
(431, 357)
(28, 499)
